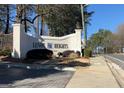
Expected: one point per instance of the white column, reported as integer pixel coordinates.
(16, 40)
(78, 39)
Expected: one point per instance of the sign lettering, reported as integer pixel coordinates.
(38, 45)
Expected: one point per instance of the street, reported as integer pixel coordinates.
(117, 58)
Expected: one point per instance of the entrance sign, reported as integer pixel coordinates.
(22, 42)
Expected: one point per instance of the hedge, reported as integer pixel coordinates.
(87, 52)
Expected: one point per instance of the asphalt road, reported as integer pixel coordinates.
(117, 58)
(33, 78)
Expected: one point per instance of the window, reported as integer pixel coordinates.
(49, 45)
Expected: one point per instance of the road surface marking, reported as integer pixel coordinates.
(116, 59)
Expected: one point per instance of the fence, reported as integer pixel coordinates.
(6, 41)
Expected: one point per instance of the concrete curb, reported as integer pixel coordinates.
(117, 72)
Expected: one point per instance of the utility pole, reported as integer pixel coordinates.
(83, 25)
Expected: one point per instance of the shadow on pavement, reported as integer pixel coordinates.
(15, 60)
(9, 75)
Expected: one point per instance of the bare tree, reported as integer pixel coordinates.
(120, 35)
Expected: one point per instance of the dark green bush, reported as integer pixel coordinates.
(39, 54)
(87, 52)
(5, 52)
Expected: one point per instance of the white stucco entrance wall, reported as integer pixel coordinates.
(22, 42)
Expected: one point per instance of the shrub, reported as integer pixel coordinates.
(78, 53)
(5, 52)
(73, 55)
(67, 53)
(59, 54)
(87, 52)
(39, 54)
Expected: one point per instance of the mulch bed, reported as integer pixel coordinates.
(56, 61)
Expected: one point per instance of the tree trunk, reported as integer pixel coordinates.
(42, 25)
(25, 23)
(19, 13)
(7, 20)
